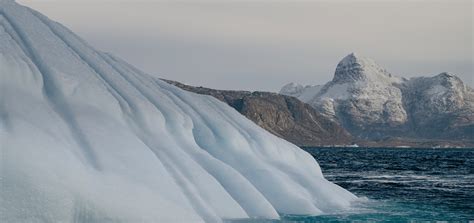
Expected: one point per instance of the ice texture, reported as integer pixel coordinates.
(86, 137)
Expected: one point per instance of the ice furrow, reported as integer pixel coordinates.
(175, 118)
(96, 69)
(54, 95)
(210, 163)
(8, 30)
(196, 201)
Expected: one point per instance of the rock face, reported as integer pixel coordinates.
(373, 104)
(284, 116)
(440, 107)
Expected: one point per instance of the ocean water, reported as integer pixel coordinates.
(399, 184)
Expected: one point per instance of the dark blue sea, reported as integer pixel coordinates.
(400, 184)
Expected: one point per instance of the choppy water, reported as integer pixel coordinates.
(401, 185)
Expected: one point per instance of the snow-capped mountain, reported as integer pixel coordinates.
(86, 137)
(440, 106)
(372, 103)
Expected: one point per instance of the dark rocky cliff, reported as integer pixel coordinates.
(284, 116)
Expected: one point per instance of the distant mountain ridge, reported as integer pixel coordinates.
(373, 104)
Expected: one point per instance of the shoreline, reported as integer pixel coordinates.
(381, 147)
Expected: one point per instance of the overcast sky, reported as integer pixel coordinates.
(262, 45)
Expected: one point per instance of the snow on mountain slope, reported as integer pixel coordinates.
(443, 106)
(305, 93)
(360, 93)
(372, 103)
(86, 137)
(364, 93)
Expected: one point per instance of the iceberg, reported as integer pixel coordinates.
(87, 137)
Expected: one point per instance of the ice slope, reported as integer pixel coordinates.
(86, 137)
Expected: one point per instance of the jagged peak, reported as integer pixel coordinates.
(449, 80)
(354, 58)
(355, 68)
(447, 75)
(292, 84)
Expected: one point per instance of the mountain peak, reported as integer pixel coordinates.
(292, 89)
(354, 58)
(449, 80)
(447, 75)
(357, 68)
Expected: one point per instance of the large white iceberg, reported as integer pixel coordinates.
(86, 137)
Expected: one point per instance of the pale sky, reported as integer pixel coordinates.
(262, 45)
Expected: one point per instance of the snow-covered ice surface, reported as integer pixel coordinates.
(86, 137)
